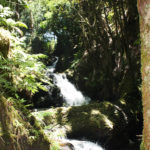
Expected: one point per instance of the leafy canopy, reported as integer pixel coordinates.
(19, 71)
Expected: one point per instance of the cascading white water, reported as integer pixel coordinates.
(84, 145)
(53, 66)
(71, 95)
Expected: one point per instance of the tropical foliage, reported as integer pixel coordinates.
(19, 71)
(97, 43)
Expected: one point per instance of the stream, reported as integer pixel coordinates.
(81, 145)
(70, 94)
(72, 97)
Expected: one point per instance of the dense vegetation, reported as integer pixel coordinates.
(95, 31)
(98, 45)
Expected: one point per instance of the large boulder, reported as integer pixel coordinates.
(45, 99)
(98, 121)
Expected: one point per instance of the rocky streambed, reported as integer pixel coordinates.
(103, 122)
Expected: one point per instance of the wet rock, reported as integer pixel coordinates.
(45, 99)
(97, 121)
(66, 146)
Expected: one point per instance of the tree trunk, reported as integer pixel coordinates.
(144, 12)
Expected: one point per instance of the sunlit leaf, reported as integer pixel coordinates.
(21, 24)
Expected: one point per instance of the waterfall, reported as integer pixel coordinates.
(51, 68)
(70, 94)
(72, 97)
(82, 145)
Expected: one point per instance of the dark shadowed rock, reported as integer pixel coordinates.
(45, 99)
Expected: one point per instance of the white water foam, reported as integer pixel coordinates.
(71, 95)
(53, 66)
(84, 145)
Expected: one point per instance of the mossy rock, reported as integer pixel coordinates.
(142, 146)
(93, 121)
(4, 42)
(19, 132)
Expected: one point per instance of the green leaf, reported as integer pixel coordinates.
(21, 24)
(18, 30)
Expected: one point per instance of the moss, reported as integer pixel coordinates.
(0, 128)
(55, 146)
(93, 121)
(47, 119)
(4, 42)
(17, 131)
(142, 146)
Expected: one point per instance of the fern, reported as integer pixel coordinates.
(22, 71)
(26, 73)
(7, 22)
(19, 71)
